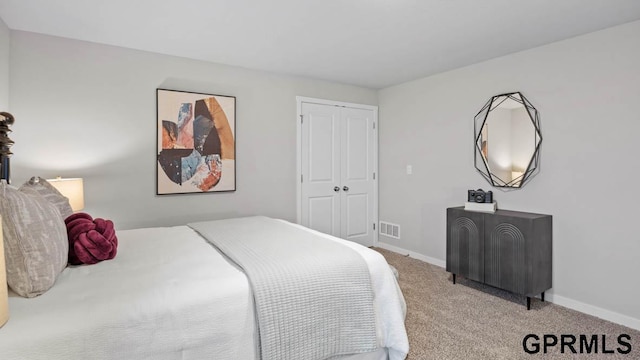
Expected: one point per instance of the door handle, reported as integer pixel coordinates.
(345, 188)
(336, 188)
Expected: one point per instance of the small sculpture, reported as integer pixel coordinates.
(6, 120)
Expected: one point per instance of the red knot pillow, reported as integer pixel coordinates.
(90, 240)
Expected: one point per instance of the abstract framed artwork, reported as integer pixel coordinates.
(195, 142)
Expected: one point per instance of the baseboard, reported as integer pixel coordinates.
(413, 254)
(598, 312)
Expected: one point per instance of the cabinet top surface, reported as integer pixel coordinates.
(505, 213)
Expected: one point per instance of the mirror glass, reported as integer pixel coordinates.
(507, 140)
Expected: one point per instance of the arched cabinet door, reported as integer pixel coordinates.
(465, 248)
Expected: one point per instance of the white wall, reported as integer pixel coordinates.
(89, 110)
(4, 66)
(586, 90)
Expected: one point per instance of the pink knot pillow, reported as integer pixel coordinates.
(90, 240)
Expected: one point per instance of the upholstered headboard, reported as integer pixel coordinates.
(6, 120)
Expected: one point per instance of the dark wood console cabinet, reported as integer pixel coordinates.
(510, 250)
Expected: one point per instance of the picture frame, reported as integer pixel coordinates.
(195, 148)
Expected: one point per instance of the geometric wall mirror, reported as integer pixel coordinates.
(507, 140)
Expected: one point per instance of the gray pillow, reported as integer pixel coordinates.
(35, 240)
(44, 188)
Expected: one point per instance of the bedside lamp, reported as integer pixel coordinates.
(73, 189)
(4, 290)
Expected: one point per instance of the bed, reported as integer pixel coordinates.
(171, 293)
(251, 288)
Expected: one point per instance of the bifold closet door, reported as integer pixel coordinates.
(337, 171)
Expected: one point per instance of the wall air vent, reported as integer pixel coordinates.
(390, 230)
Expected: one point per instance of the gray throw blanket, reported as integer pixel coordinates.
(313, 296)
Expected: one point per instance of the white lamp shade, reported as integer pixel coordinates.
(4, 291)
(73, 189)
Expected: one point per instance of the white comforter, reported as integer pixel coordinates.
(168, 294)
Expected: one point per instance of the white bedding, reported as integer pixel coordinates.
(168, 294)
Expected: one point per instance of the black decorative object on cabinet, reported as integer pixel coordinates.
(510, 250)
(6, 120)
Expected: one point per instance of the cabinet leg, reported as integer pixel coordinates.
(454, 278)
(528, 303)
(542, 296)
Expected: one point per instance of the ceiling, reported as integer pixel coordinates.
(369, 43)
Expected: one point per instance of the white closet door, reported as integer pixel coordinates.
(357, 175)
(337, 164)
(321, 168)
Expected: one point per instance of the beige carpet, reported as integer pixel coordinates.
(472, 321)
